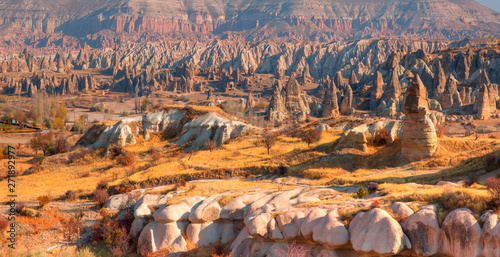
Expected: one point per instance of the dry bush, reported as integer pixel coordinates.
(471, 179)
(100, 196)
(155, 154)
(4, 224)
(460, 199)
(126, 159)
(372, 187)
(103, 184)
(210, 145)
(44, 200)
(346, 215)
(381, 138)
(493, 185)
(70, 195)
(72, 228)
(78, 154)
(293, 250)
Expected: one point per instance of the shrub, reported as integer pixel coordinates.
(100, 196)
(103, 184)
(361, 192)
(471, 179)
(381, 137)
(155, 154)
(115, 151)
(493, 184)
(126, 159)
(372, 187)
(210, 145)
(44, 200)
(72, 228)
(70, 195)
(293, 250)
(78, 154)
(460, 199)
(282, 170)
(116, 237)
(4, 224)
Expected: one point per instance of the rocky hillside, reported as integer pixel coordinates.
(102, 23)
(191, 127)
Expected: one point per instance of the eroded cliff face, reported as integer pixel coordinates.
(101, 23)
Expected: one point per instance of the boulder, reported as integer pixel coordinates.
(204, 234)
(353, 139)
(377, 231)
(491, 235)
(208, 210)
(289, 224)
(156, 236)
(312, 219)
(330, 231)
(117, 202)
(177, 212)
(237, 208)
(141, 207)
(423, 230)
(136, 228)
(461, 234)
(257, 226)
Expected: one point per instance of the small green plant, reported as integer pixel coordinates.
(361, 192)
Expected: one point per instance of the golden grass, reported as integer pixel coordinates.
(455, 159)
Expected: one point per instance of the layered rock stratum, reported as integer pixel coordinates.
(96, 23)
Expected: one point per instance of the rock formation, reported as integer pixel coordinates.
(439, 82)
(419, 138)
(287, 102)
(330, 103)
(449, 95)
(348, 105)
(377, 91)
(262, 220)
(105, 24)
(482, 104)
(393, 88)
(195, 129)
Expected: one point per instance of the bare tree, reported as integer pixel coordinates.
(310, 136)
(269, 139)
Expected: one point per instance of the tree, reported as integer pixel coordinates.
(48, 144)
(310, 136)
(269, 139)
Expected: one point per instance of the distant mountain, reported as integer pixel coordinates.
(71, 23)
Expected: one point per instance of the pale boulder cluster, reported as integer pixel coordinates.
(195, 131)
(258, 222)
